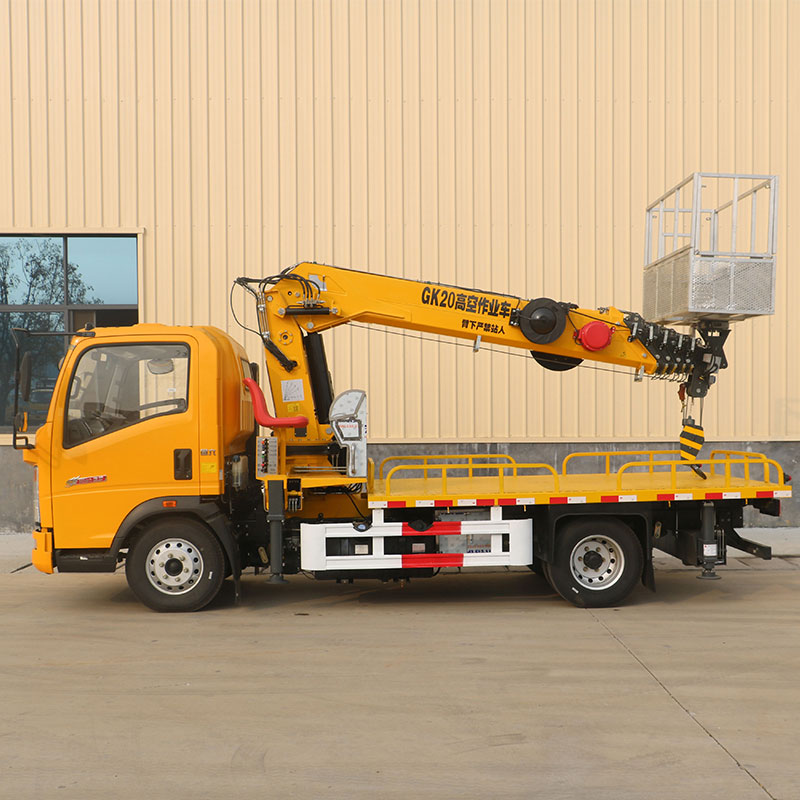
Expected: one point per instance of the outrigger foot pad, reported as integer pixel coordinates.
(709, 575)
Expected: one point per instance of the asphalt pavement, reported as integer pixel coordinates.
(482, 685)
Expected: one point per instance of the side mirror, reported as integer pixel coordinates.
(25, 377)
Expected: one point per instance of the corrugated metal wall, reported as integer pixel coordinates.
(506, 145)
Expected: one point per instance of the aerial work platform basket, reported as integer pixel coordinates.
(710, 246)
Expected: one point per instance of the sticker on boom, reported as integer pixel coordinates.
(464, 301)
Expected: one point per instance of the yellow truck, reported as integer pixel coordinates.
(159, 450)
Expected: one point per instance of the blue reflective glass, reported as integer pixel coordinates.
(102, 270)
(31, 270)
(46, 352)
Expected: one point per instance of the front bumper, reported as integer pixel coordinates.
(42, 554)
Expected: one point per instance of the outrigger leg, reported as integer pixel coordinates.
(708, 542)
(275, 516)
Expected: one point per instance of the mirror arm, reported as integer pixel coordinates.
(17, 442)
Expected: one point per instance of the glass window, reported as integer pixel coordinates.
(32, 270)
(120, 385)
(46, 353)
(60, 283)
(102, 270)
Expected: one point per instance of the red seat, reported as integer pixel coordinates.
(263, 416)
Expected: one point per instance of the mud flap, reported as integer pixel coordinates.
(648, 573)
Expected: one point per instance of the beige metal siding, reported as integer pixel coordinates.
(507, 145)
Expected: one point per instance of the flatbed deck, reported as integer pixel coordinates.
(627, 477)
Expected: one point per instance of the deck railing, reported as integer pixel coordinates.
(447, 470)
(607, 455)
(444, 467)
(422, 460)
(724, 464)
(747, 458)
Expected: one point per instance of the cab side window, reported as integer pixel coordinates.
(117, 386)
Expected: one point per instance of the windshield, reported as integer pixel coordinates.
(116, 386)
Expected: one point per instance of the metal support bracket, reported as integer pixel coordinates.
(733, 539)
(275, 516)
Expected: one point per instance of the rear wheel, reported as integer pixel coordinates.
(175, 565)
(598, 562)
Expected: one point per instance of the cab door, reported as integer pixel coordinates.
(129, 434)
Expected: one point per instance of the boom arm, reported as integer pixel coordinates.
(310, 298)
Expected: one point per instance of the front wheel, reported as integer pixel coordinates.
(598, 562)
(175, 565)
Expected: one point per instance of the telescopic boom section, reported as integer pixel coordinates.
(312, 298)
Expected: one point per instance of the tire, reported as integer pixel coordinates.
(175, 565)
(615, 568)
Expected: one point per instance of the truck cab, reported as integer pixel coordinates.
(144, 421)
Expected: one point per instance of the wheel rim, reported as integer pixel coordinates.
(174, 566)
(597, 562)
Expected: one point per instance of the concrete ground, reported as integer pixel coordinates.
(474, 686)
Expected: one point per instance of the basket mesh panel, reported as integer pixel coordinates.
(685, 288)
(733, 286)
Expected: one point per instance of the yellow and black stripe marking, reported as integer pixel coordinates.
(691, 441)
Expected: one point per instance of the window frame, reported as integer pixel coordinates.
(66, 307)
(96, 346)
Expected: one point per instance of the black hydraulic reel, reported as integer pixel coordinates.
(542, 321)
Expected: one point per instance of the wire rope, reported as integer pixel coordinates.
(489, 349)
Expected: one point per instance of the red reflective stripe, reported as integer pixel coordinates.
(433, 560)
(558, 501)
(713, 495)
(437, 529)
(443, 503)
(666, 497)
(487, 501)
(610, 498)
(447, 528)
(507, 501)
(396, 504)
(765, 494)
